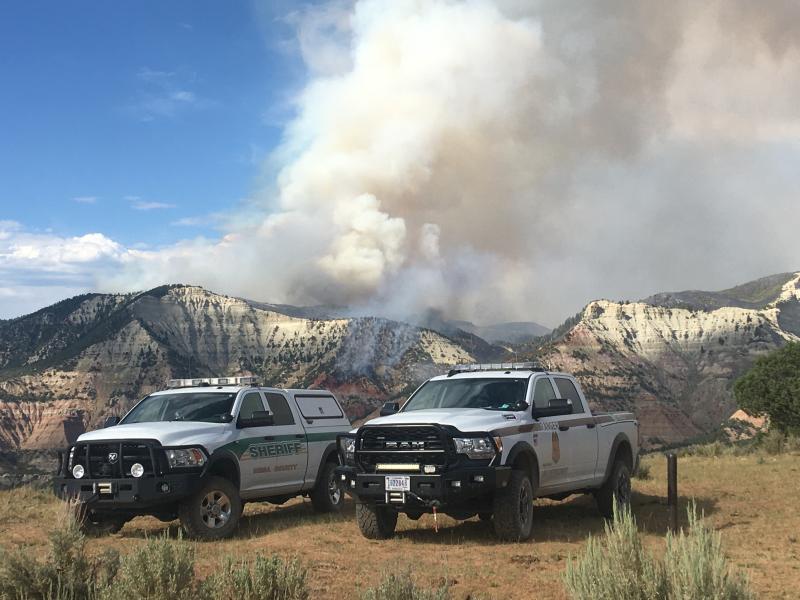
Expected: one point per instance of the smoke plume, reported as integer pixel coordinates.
(513, 159)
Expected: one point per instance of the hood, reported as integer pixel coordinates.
(463, 419)
(168, 433)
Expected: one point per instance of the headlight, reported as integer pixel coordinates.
(185, 457)
(475, 447)
(137, 469)
(77, 471)
(347, 449)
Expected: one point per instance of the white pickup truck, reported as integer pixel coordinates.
(487, 440)
(202, 448)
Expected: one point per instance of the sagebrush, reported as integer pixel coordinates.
(402, 587)
(269, 579)
(616, 566)
(162, 568)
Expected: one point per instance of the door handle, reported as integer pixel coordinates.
(563, 427)
(590, 426)
(269, 438)
(299, 436)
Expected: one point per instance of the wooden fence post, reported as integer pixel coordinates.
(672, 490)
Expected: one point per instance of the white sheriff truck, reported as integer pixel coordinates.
(487, 440)
(201, 449)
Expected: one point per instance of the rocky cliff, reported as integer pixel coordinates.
(70, 365)
(672, 358)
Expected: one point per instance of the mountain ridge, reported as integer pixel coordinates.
(66, 366)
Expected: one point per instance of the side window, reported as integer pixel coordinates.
(279, 407)
(567, 390)
(250, 404)
(543, 393)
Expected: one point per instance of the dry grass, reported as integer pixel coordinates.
(752, 500)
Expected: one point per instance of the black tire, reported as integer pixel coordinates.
(616, 487)
(327, 495)
(93, 524)
(213, 512)
(485, 516)
(376, 522)
(513, 509)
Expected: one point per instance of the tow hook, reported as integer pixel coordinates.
(434, 504)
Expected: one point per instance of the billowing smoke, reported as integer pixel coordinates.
(513, 160)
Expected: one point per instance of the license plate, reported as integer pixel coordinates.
(398, 483)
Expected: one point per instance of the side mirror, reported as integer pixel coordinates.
(390, 408)
(260, 418)
(110, 421)
(555, 408)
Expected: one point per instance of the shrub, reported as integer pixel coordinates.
(643, 472)
(616, 566)
(162, 568)
(696, 567)
(269, 579)
(772, 443)
(65, 573)
(402, 587)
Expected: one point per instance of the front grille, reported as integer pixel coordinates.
(113, 460)
(416, 444)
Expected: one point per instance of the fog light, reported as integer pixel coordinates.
(137, 470)
(352, 483)
(165, 487)
(455, 484)
(77, 471)
(478, 479)
(429, 469)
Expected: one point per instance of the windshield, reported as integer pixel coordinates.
(206, 407)
(491, 394)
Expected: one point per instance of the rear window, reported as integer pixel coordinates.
(319, 407)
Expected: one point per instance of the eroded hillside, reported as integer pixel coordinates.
(674, 366)
(128, 346)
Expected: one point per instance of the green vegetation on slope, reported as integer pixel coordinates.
(772, 388)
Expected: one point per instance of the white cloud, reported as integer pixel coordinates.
(145, 205)
(164, 94)
(85, 199)
(39, 268)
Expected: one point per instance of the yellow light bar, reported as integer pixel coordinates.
(397, 467)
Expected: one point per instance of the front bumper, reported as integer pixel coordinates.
(452, 488)
(143, 495)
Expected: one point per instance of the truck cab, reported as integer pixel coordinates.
(487, 440)
(202, 448)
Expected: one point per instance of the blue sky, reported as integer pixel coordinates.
(123, 117)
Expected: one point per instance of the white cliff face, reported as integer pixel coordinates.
(130, 346)
(673, 366)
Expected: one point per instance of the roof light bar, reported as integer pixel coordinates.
(509, 366)
(209, 381)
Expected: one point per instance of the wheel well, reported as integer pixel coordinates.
(526, 462)
(226, 468)
(625, 453)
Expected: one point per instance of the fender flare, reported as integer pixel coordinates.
(219, 456)
(524, 448)
(326, 454)
(612, 456)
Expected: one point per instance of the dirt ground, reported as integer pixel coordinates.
(753, 501)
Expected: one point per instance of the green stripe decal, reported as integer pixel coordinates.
(277, 445)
